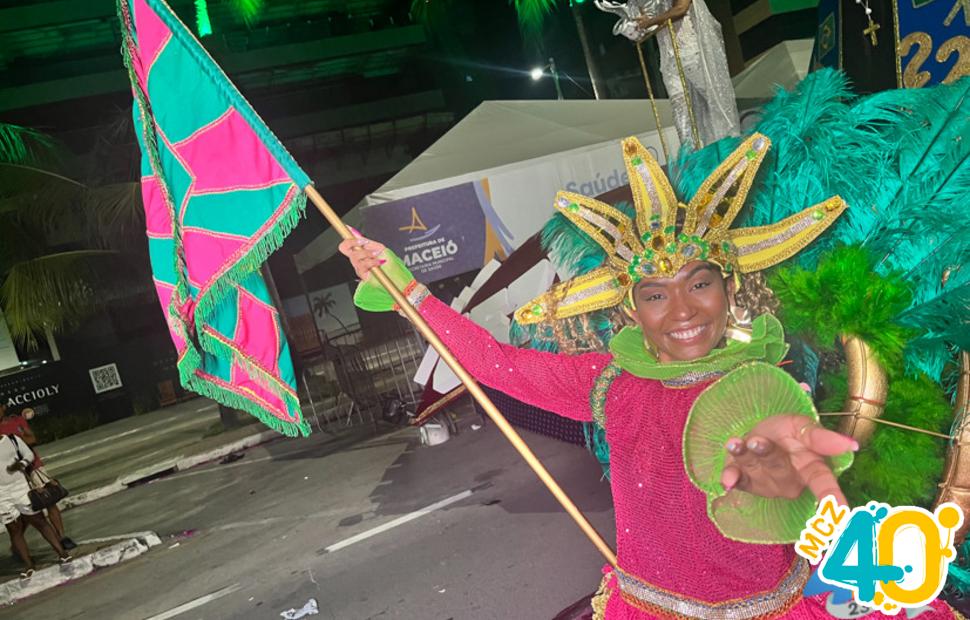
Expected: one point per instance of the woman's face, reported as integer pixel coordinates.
(684, 316)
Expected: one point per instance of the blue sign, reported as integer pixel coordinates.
(933, 43)
(439, 234)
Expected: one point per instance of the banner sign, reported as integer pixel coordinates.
(42, 387)
(933, 41)
(442, 233)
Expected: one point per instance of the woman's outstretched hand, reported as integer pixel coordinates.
(782, 455)
(364, 254)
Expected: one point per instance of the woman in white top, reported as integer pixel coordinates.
(16, 458)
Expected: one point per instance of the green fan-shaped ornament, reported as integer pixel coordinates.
(731, 407)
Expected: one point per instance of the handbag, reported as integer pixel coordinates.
(44, 490)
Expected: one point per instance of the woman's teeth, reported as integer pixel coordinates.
(686, 334)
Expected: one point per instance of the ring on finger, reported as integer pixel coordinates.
(801, 434)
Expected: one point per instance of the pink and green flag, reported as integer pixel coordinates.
(220, 193)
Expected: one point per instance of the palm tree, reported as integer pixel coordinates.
(322, 307)
(63, 250)
(323, 304)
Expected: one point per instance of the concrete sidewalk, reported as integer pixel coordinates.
(112, 457)
(103, 553)
(101, 455)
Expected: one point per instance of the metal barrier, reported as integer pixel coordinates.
(355, 380)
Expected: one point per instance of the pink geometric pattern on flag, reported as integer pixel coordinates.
(205, 254)
(224, 153)
(204, 251)
(158, 219)
(152, 36)
(257, 332)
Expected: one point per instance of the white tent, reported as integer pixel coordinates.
(783, 65)
(503, 135)
(528, 150)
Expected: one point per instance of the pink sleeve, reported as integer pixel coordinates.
(558, 383)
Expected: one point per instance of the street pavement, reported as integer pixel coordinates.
(369, 526)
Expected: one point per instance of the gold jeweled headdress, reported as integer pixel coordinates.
(668, 234)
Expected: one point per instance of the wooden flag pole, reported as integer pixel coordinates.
(473, 388)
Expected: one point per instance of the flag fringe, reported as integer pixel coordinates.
(206, 307)
(257, 373)
(192, 361)
(269, 242)
(208, 304)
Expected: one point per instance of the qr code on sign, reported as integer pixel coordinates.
(105, 378)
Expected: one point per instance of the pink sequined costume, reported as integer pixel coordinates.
(664, 537)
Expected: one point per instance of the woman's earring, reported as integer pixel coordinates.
(738, 323)
(739, 316)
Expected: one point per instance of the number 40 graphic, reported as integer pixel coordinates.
(892, 557)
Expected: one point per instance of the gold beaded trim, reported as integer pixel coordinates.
(761, 606)
(598, 289)
(734, 175)
(760, 247)
(597, 398)
(652, 193)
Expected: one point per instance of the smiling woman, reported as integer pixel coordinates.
(716, 455)
(673, 268)
(683, 318)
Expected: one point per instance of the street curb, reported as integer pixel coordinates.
(53, 576)
(224, 450)
(180, 463)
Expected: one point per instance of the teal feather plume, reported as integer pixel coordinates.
(570, 249)
(901, 160)
(924, 232)
(595, 436)
(820, 144)
(910, 300)
(816, 152)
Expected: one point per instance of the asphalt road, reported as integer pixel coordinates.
(379, 528)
